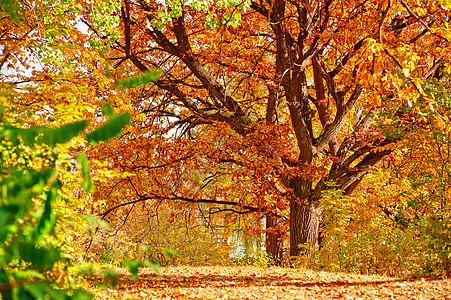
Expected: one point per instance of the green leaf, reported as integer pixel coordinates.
(7, 214)
(81, 295)
(6, 293)
(20, 187)
(96, 221)
(133, 266)
(84, 168)
(43, 290)
(107, 110)
(37, 290)
(63, 134)
(153, 264)
(3, 276)
(42, 258)
(139, 80)
(28, 274)
(110, 275)
(169, 252)
(110, 129)
(48, 218)
(28, 135)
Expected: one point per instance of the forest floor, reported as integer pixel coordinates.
(185, 282)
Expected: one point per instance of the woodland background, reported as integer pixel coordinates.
(292, 133)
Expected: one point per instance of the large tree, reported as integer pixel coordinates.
(292, 92)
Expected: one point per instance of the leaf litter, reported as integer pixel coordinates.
(215, 282)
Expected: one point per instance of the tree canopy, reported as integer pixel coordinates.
(271, 101)
(302, 120)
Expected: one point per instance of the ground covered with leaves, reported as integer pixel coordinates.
(185, 282)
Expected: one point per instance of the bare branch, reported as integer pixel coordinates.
(421, 21)
(381, 23)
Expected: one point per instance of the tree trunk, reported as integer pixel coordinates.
(304, 225)
(274, 240)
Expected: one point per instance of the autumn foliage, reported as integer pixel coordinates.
(263, 107)
(309, 133)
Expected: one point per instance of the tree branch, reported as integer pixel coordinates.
(421, 21)
(331, 131)
(320, 103)
(186, 199)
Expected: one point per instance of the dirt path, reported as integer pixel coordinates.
(271, 283)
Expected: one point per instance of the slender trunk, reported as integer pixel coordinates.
(274, 240)
(304, 225)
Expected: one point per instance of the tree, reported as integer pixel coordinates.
(300, 87)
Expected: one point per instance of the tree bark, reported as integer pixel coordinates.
(304, 225)
(274, 240)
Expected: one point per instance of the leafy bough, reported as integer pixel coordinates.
(27, 199)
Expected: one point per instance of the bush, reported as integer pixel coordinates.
(379, 232)
(148, 234)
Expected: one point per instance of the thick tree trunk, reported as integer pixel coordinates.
(274, 240)
(305, 217)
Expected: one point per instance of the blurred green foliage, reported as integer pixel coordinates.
(28, 193)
